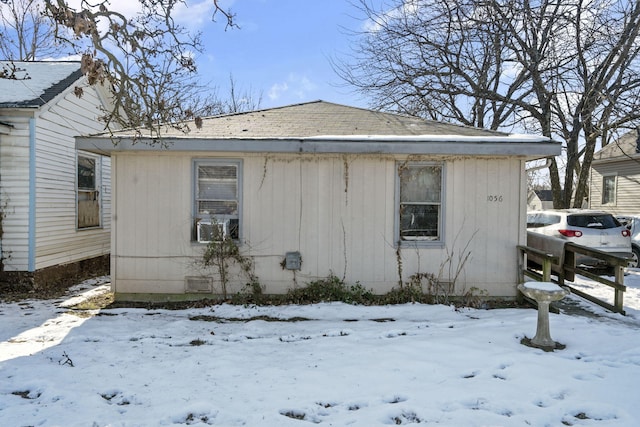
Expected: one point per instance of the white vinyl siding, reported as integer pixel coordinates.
(14, 187)
(39, 224)
(58, 239)
(627, 173)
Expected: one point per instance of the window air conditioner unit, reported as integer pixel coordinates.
(212, 231)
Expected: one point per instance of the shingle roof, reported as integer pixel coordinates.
(546, 195)
(318, 118)
(324, 118)
(37, 83)
(325, 127)
(626, 145)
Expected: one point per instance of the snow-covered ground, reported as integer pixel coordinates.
(330, 364)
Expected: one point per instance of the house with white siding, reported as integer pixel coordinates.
(615, 176)
(315, 189)
(55, 200)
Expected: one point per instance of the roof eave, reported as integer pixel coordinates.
(527, 147)
(20, 106)
(622, 158)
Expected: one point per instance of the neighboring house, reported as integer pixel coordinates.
(615, 176)
(539, 200)
(55, 200)
(315, 189)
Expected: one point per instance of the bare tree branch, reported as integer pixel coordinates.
(566, 69)
(26, 35)
(146, 60)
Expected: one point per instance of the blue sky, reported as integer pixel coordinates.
(281, 50)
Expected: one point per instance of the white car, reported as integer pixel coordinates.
(632, 222)
(593, 229)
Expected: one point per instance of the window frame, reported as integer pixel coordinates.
(97, 186)
(611, 199)
(425, 242)
(197, 163)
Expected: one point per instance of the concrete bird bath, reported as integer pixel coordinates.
(543, 293)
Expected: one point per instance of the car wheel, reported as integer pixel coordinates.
(633, 263)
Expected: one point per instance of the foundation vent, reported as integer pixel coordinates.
(198, 284)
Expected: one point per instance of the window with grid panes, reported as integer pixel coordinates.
(419, 210)
(88, 212)
(217, 199)
(609, 190)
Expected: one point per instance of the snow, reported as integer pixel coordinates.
(330, 364)
(33, 79)
(542, 286)
(511, 138)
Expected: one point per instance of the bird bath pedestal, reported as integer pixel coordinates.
(543, 293)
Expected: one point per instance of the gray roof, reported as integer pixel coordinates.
(37, 82)
(627, 145)
(325, 127)
(317, 118)
(547, 195)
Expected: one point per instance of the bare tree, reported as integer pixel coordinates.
(568, 69)
(239, 100)
(26, 34)
(147, 60)
(139, 56)
(433, 58)
(587, 80)
(213, 104)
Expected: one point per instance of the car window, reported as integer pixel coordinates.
(600, 221)
(531, 220)
(541, 220)
(626, 221)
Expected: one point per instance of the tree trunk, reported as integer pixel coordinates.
(558, 202)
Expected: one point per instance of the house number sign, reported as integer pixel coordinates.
(495, 198)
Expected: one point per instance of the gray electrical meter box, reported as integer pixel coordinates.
(292, 260)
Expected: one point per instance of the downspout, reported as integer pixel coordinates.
(535, 168)
(32, 196)
(522, 224)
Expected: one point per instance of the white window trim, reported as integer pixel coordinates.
(441, 225)
(615, 190)
(194, 192)
(98, 187)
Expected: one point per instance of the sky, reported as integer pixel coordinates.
(330, 364)
(282, 50)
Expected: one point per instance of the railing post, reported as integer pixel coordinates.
(619, 294)
(546, 270)
(569, 261)
(522, 264)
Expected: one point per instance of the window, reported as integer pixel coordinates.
(88, 212)
(217, 200)
(419, 216)
(537, 220)
(609, 190)
(598, 221)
